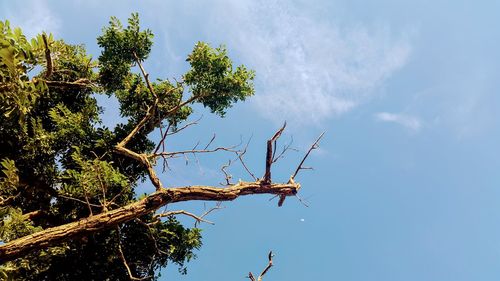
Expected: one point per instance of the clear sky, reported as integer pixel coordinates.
(406, 184)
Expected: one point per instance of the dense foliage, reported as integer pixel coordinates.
(58, 160)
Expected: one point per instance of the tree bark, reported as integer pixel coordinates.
(52, 236)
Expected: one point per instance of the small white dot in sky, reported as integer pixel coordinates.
(302, 220)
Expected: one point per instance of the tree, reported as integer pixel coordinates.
(68, 205)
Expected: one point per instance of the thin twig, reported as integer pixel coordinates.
(210, 142)
(182, 212)
(79, 200)
(192, 151)
(286, 147)
(315, 145)
(240, 157)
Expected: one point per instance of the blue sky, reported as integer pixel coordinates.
(406, 183)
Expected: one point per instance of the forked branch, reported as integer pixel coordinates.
(314, 146)
(269, 265)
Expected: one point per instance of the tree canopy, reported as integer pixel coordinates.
(68, 203)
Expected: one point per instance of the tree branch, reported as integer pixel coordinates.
(315, 145)
(269, 265)
(270, 154)
(182, 212)
(55, 235)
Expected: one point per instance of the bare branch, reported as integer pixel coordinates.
(210, 142)
(315, 145)
(192, 151)
(227, 176)
(269, 154)
(182, 212)
(269, 265)
(286, 148)
(161, 143)
(185, 126)
(54, 235)
(240, 157)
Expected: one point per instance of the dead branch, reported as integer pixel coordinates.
(269, 265)
(198, 219)
(240, 157)
(106, 220)
(227, 176)
(163, 136)
(210, 142)
(270, 154)
(191, 151)
(285, 149)
(315, 145)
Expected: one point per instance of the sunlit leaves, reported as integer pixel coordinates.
(121, 48)
(213, 80)
(94, 179)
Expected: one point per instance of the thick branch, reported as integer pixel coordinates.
(270, 154)
(52, 236)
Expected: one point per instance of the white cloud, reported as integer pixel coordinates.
(308, 69)
(32, 16)
(407, 121)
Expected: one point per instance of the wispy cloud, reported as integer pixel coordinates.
(308, 69)
(32, 16)
(410, 122)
